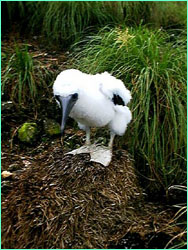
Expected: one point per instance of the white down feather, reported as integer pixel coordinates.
(94, 107)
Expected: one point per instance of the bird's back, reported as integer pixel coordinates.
(111, 86)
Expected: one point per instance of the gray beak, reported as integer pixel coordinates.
(67, 104)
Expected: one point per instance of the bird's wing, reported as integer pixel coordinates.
(114, 89)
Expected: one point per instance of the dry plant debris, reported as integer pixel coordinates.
(70, 202)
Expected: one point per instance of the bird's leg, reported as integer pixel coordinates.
(112, 135)
(85, 148)
(102, 154)
(88, 142)
(98, 154)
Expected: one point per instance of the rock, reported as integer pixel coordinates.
(28, 132)
(51, 127)
(6, 174)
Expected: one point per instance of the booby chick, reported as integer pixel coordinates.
(93, 101)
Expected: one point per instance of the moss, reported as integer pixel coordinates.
(28, 132)
(51, 127)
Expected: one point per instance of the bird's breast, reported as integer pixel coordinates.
(95, 111)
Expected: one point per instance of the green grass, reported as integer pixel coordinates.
(170, 15)
(153, 66)
(23, 77)
(65, 22)
(62, 23)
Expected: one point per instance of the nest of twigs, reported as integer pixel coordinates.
(70, 203)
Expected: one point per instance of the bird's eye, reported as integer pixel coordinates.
(75, 96)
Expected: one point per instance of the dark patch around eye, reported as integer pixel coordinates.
(75, 96)
(117, 100)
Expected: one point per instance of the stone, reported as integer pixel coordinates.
(51, 127)
(28, 132)
(6, 174)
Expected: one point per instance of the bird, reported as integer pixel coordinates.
(98, 100)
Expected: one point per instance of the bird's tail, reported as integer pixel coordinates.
(121, 119)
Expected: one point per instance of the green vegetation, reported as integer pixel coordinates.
(64, 22)
(22, 77)
(153, 66)
(51, 127)
(28, 132)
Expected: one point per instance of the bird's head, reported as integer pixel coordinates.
(66, 103)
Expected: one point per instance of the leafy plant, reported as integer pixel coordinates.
(64, 22)
(153, 67)
(22, 78)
